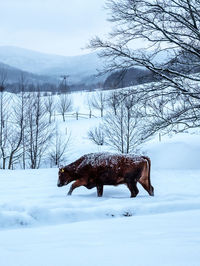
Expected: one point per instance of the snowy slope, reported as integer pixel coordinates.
(166, 239)
(31, 198)
(40, 225)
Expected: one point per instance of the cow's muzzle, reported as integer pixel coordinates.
(59, 184)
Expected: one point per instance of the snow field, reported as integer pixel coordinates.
(40, 225)
(166, 239)
(39, 202)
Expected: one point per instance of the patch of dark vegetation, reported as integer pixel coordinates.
(127, 214)
(110, 214)
(129, 77)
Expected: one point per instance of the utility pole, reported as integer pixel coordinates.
(63, 86)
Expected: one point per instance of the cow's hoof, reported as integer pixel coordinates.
(133, 196)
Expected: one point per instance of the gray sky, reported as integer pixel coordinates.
(52, 26)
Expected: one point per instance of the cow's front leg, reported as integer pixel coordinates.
(133, 189)
(99, 190)
(76, 184)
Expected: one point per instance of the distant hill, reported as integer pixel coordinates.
(129, 77)
(80, 69)
(182, 62)
(14, 74)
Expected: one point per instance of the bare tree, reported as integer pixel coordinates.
(64, 105)
(49, 105)
(3, 117)
(17, 125)
(165, 27)
(58, 148)
(113, 100)
(38, 133)
(123, 130)
(98, 101)
(12, 123)
(12, 130)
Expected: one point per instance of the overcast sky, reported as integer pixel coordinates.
(52, 26)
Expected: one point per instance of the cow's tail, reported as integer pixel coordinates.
(149, 167)
(151, 189)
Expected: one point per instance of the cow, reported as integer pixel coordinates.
(99, 169)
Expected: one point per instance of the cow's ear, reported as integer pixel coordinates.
(62, 170)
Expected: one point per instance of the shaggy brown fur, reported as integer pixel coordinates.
(99, 169)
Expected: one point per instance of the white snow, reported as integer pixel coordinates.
(167, 239)
(41, 226)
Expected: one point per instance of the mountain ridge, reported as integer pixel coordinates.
(13, 75)
(77, 67)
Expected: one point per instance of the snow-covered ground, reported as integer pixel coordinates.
(41, 226)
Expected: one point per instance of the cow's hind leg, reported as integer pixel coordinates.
(99, 190)
(133, 189)
(145, 178)
(148, 187)
(76, 184)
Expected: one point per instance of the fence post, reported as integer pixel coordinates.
(76, 115)
(160, 137)
(90, 114)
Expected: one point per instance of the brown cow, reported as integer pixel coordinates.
(99, 169)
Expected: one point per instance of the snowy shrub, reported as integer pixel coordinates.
(96, 135)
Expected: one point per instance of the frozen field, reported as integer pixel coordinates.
(41, 226)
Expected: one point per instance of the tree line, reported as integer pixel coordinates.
(28, 137)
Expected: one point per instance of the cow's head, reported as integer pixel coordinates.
(63, 177)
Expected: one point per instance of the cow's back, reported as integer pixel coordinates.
(108, 168)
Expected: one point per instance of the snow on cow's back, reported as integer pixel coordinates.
(108, 159)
